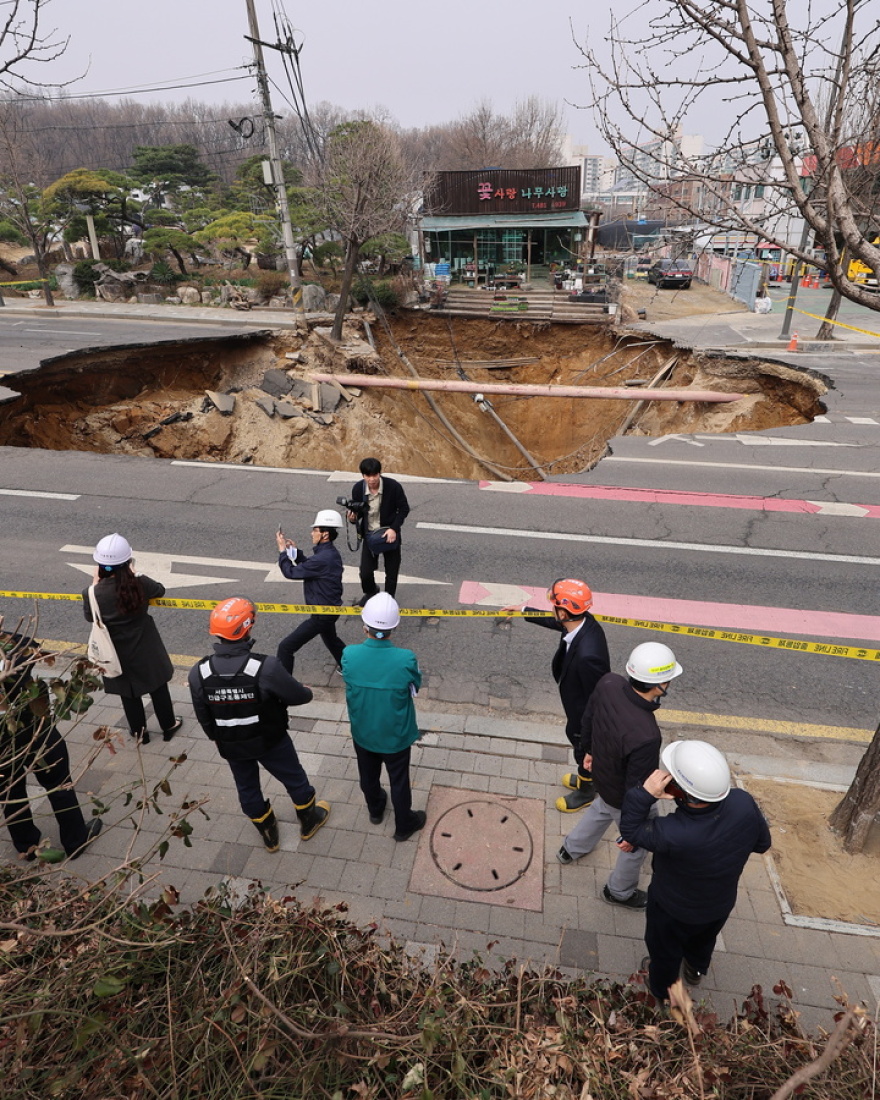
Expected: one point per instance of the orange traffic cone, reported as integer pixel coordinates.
(792, 343)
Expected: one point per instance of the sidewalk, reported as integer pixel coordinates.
(507, 773)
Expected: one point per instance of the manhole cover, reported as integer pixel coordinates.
(481, 846)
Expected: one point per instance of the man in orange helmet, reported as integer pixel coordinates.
(580, 661)
(240, 699)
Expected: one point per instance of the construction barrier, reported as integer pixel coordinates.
(840, 324)
(821, 649)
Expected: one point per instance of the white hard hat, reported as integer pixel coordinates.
(653, 663)
(112, 550)
(381, 612)
(328, 517)
(699, 769)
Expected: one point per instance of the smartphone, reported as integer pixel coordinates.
(280, 532)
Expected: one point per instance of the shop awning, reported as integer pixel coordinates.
(442, 223)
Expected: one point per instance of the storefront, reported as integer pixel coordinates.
(495, 222)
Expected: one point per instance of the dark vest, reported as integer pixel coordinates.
(247, 721)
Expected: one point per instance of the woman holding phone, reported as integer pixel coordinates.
(123, 600)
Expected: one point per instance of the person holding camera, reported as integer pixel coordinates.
(700, 851)
(321, 575)
(620, 739)
(378, 507)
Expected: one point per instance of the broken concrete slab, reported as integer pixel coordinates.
(267, 404)
(330, 398)
(223, 402)
(276, 383)
(286, 411)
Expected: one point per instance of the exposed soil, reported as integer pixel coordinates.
(819, 878)
(108, 400)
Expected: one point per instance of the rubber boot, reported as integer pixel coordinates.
(575, 800)
(576, 782)
(267, 827)
(311, 817)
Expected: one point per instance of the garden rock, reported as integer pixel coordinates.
(190, 296)
(314, 298)
(66, 282)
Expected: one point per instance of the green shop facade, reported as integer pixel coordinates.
(504, 221)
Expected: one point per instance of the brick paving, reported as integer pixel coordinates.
(350, 861)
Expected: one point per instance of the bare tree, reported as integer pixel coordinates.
(789, 79)
(365, 188)
(24, 40)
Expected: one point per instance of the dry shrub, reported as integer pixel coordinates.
(266, 998)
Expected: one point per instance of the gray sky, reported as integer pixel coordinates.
(424, 62)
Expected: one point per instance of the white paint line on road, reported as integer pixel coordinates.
(653, 544)
(246, 469)
(742, 466)
(62, 331)
(35, 493)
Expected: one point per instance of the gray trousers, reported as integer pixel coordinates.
(590, 828)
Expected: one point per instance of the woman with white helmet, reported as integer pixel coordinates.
(321, 575)
(123, 600)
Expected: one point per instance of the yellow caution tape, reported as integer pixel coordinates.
(23, 282)
(822, 649)
(840, 324)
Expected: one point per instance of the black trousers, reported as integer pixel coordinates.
(669, 940)
(312, 627)
(397, 766)
(163, 708)
(282, 762)
(45, 757)
(369, 565)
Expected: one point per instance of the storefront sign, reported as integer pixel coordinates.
(505, 191)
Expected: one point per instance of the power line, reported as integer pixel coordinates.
(141, 90)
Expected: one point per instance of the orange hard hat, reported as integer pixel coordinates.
(233, 618)
(572, 596)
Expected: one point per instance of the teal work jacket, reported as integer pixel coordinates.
(379, 683)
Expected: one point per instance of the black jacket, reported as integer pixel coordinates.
(699, 854)
(392, 511)
(321, 574)
(146, 665)
(277, 690)
(578, 669)
(620, 732)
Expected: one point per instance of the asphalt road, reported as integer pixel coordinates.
(459, 534)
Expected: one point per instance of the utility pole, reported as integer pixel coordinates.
(276, 167)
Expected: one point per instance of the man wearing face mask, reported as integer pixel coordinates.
(621, 742)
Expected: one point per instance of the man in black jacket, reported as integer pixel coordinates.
(240, 699)
(699, 854)
(579, 662)
(321, 575)
(621, 742)
(378, 524)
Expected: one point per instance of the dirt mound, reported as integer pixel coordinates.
(151, 400)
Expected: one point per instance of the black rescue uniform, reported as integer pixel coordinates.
(240, 699)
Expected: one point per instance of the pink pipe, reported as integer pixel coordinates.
(609, 393)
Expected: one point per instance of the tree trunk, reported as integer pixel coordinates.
(351, 257)
(826, 330)
(180, 262)
(854, 814)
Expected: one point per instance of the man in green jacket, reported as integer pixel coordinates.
(380, 683)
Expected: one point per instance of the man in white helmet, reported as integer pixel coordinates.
(621, 743)
(380, 683)
(321, 575)
(699, 854)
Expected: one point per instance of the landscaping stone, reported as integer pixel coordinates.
(314, 298)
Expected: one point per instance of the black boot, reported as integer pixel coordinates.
(267, 827)
(311, 817)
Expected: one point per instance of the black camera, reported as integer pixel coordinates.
(356, 506)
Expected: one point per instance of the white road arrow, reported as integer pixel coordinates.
(834, 508)
(160, 568)
(774, 441)
(676, 439)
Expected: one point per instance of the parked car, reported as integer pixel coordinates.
(643, 266)
(677, 273)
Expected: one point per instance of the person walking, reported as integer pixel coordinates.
(378, 521)
(123, 599)
(380, 682)
(580, 661)
(621, 740)
(700, 851)
(240, 699)
(30, 744)
(321, 575)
